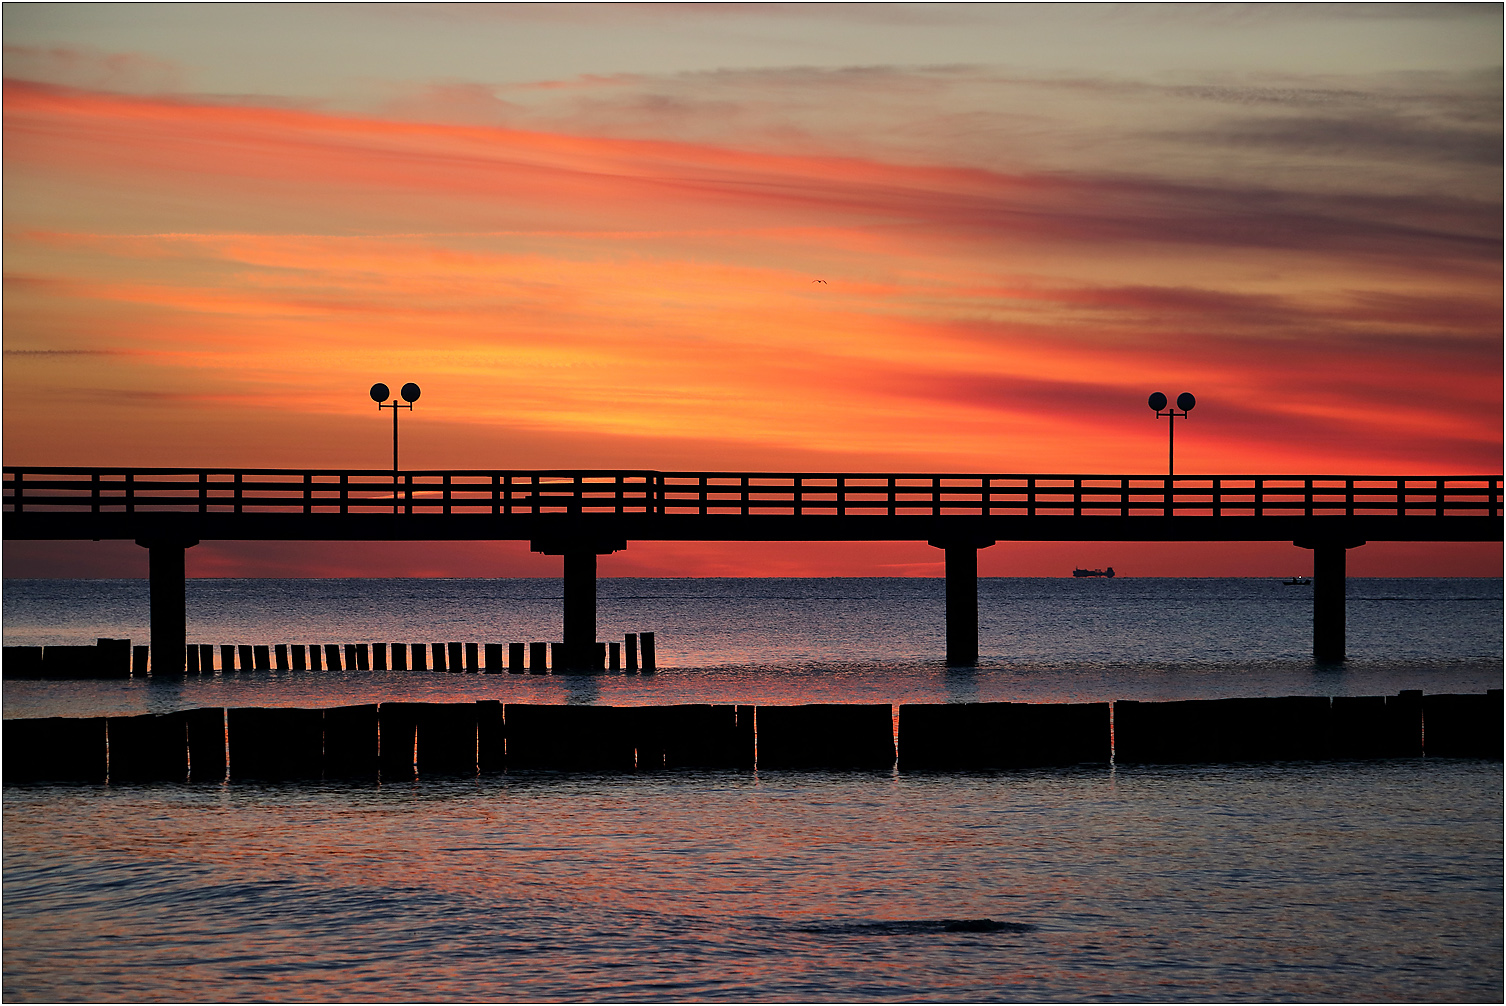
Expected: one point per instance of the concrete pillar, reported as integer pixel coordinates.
(168, 584)
(1329, 578)
(580, 592)
(580, 606)
(961, 599)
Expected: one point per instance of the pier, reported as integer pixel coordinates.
(580, 515)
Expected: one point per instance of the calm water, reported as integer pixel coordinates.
(1336, 882)
(794, 640)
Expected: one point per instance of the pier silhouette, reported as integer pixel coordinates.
(582, 514)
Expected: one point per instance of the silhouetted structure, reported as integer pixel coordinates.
(582, 514)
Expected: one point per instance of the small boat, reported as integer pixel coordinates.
(1094, 572)
(1297, 581)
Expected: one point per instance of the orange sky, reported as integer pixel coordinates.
(618, 269)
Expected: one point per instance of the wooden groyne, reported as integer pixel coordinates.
(117, 658)
(401, 740)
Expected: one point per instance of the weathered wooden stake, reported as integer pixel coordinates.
(630, 646)
(646, 640)
(538, 658)
(515, 658)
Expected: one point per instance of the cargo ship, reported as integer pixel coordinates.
(1094, 572)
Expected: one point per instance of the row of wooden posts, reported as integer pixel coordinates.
(395, 741)
(117, 658)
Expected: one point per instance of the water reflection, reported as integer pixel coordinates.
(961, 684)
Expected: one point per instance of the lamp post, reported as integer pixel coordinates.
(1185, 402)
(379, 393)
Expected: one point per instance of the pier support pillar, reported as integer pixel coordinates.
(961, 599)
(1329, 576)
(580, 593)
(168, 582)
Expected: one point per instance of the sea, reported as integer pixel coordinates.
(1374, 881)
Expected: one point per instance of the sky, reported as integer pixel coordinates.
(856, 237)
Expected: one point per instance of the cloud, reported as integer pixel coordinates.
(92, 69)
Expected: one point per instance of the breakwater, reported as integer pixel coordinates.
(401, 740)
(117, 658)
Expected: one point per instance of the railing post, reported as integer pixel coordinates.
(446, 494)
(1349, 497)
(988, 496)
(841, 496)
(799, 496)
(18, 491)
(130, 495)
(203, 492)
(1495, 497)
(893, 495)
(94, 493)
(534, 491)
(1401, 497)
(1308, 501)
(621, 488)
(1438, 499)
(703, 495)
(1030, 497)
(1077, 497)
(408, 494)
(745, 495)
(507, 494)
(936, 496)
(238, 478)
(497, 495)
(345, 494)
(1169, 502)
(1259, 497)
(1124, 497)
(308, 492)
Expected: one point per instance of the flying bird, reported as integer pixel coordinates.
(821, 281)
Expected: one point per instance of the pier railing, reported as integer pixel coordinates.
(326, 491)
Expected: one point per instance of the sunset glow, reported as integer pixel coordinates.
(809, 262)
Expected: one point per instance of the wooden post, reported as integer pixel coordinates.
(538, 658)
(614, 657)
(399, 656)
(379, 656)
(281, 649)
(261, 658)
(630, 647)
(300, 657)
(515, 658)
(437, 651)
(493, 658)
(646, 640)
(206, 659)
(227, 658)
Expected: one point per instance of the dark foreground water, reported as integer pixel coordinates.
(1351, 882)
